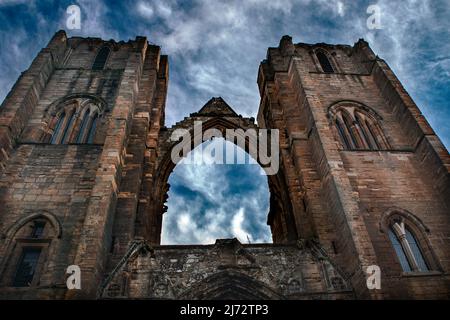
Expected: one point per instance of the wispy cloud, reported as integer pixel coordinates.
(207, 202)
(237, 226)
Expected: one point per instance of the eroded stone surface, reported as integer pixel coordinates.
(227, 270)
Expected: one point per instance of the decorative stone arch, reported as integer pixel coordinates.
(75, 104)
(396, 212)
(365, 124)
(230, 285)
(80, 98)
(416, 226)
(216, 114)
(13, 244)
(100, 61)
(54, 221)
(342, 120)
(322, 49)
(340, 104)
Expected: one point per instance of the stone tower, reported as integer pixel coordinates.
(78, 129)
(85, 160)
(372, 175)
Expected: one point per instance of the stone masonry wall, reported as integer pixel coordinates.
(57, 179)
(347, 193)
(226, 270)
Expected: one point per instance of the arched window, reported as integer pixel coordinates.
(358, 127)
(100, 59)
(29, 242)
(407, 248)
(325, 63)
(76, 120)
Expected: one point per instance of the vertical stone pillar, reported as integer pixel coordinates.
(96, 234)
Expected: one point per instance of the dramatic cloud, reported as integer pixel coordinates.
(209, 202)
(215, 48)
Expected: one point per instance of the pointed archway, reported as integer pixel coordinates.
(218, 115)
(230, 285)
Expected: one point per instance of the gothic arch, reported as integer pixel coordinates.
(12, 230)
(101, 58)
(230, 285)
(418, 229)
(17, 239)
(357, 126)
(216, 114)
(316, 53)
(393, 212)
(337, 105)
(64, 119)
(81, 98)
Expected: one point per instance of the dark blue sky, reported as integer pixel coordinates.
(215, 48)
